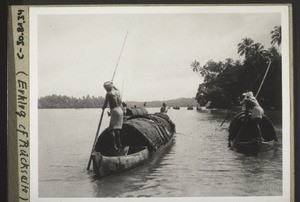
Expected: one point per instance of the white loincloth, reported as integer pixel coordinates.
(116, 120)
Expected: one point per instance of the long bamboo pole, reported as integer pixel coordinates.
(112, 79)
(94, 144)
(261, 84)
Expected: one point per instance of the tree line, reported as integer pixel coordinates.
(225, 81)
(63, 101)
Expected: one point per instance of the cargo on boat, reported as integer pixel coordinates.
(143, 136)
(244, 138)
(132, 111)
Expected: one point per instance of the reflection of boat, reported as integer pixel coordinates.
(243, 138)
(143, 137)
(177, 108)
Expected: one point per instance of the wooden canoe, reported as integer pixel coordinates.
(253, 147)
(242, 137)
(190, 108)
(146, 136)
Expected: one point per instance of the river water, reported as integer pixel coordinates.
(198, 164)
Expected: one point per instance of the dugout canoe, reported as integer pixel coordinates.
(190, 108)
(177, 108)
(242, 137)
(143, 136)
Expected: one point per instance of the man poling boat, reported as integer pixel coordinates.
(133, 136)
(102, 113)
(250, 137)
(123, 146)
(253, 112)
(145, 136)
(251, 131)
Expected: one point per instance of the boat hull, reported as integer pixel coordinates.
(146, 136)
(244, 137)
(254, 147)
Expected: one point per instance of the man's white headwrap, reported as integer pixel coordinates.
(108, 84)
(249, 96)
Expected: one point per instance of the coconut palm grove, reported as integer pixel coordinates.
(225, 81)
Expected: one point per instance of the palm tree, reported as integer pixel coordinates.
(276, 35)
(257, 53)
(228, 62)
(273, 52)
(245, 47)
(195, 66)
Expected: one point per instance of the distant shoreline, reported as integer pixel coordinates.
(63, 102)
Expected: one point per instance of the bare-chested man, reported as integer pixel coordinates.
(113, 98)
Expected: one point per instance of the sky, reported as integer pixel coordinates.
(78, 53)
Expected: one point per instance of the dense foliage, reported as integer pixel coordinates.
(225, 81)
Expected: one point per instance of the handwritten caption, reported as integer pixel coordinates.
(22, 107)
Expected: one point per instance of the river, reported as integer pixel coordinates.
(198, 164)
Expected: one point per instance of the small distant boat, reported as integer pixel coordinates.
(143, 137)
(177, 108)
(190, 108)
(241, 138)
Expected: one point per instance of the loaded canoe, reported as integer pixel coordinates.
(243, 138)
(142, 136)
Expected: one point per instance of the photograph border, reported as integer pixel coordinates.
(291, 93)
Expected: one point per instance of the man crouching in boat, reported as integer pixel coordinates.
(164, 108)
(113, 98)
(254, 112)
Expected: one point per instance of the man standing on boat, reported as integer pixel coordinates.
(113, 98)
(254, 112)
